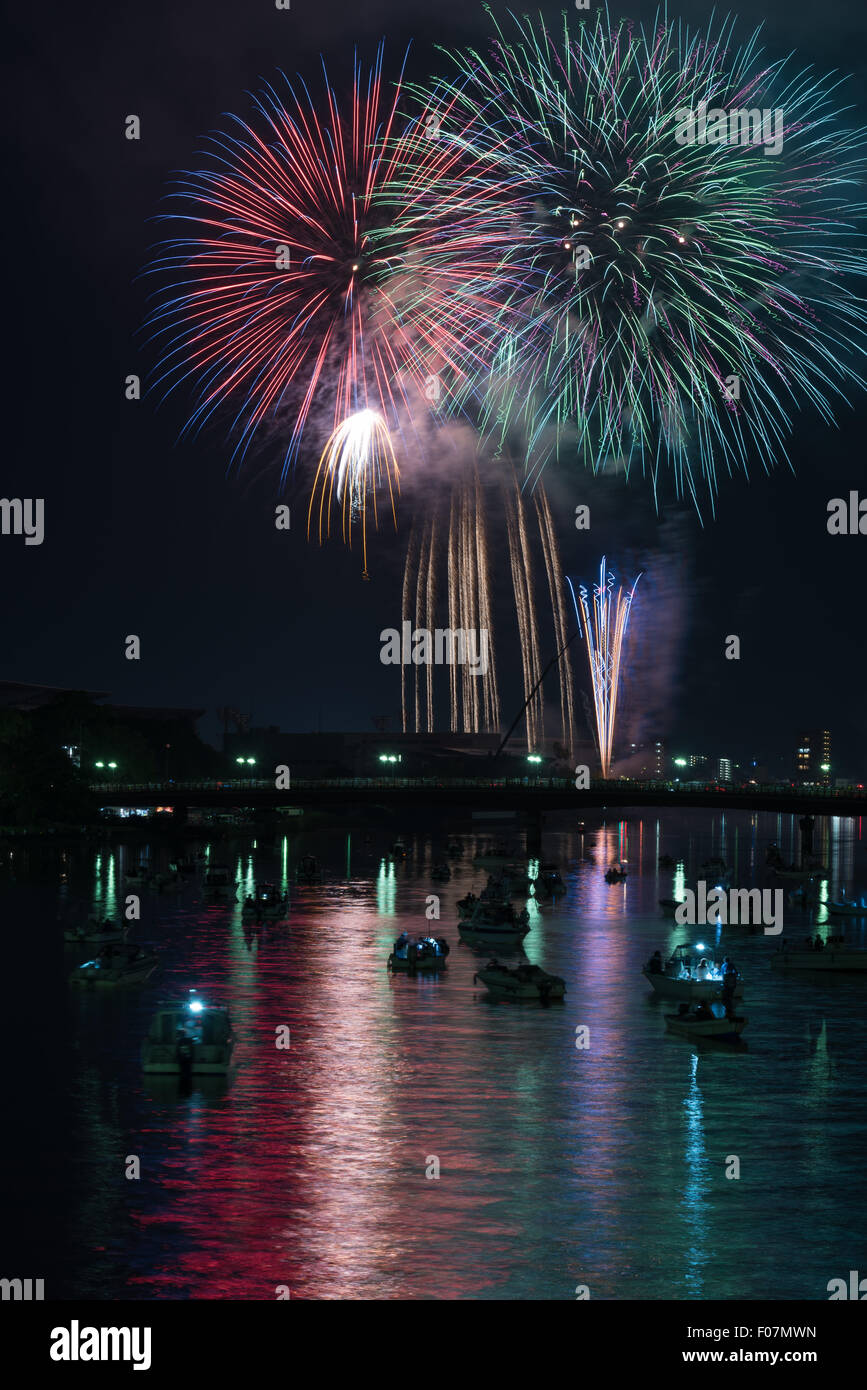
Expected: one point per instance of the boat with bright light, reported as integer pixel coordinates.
(188, 1038)
(691, 974)
(120, 964)
(523, 982)
(423, 953)
(267, 903)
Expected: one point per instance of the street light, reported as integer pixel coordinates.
(533, 758)
(245, 760)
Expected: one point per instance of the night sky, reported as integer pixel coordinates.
(147, 535)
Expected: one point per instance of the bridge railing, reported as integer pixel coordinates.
(301, 784)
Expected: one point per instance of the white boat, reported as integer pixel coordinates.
(845, 908)
(425, 953)
(120, 964)
(718, 1028)
(496, 920)
(679, 977)
(846, 959)
(188, 1038)
(218, 882)
(524, 982)
(94, 933)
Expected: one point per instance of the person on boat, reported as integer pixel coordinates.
(400, 944)
(702, 970)
(654, 965)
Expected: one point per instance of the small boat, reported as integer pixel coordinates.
(524, 982)
(120, 964)
(691, 974)
(495, 920)
(94, 932)
(702, 1024)
(847, 908)
(425, 953)
(308, 870)
(615, 873)
(219, 883)
(441, 873)
(548, 881)
(168, 880)
(188, 1038)
(495, 855)
(267, 902)
(842, 958)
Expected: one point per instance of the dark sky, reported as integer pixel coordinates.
(147, 535)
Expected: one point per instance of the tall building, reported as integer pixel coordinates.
(724, 769)
(813, 758)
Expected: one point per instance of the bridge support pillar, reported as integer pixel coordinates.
(535, 821)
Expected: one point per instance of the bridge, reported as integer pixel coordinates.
(533, 795)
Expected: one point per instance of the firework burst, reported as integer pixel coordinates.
(621, 296)
(283, 295)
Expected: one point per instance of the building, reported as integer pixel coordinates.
(813, 758)
(724, 769)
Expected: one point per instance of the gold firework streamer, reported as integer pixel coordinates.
(519, 586)
(551, 551)
(489, 680)
(405, 616)
(532, 624)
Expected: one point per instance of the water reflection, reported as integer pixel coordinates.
(558, 1166)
